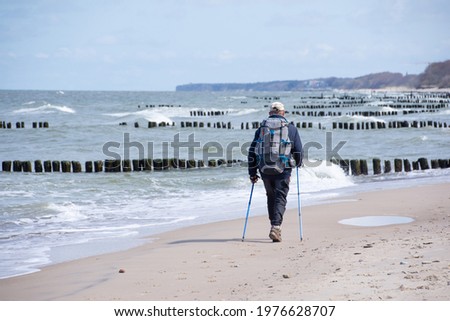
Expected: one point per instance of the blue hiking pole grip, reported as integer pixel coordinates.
(299, 209)
(248, 211)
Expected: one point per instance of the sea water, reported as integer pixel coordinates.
(370, 221)
(52, 217)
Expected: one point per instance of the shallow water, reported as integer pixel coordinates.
(373, 221)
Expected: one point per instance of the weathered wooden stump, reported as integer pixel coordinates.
(6, 166)
(126, 165)
(112, 165)
(26, 166)
(157, 164)
(364, 167)
(387, 166)
(407, 165)
(98, 166)
(434, 163)
(148, 164)
(182, 163)
(173, 163)
(423, 162)
(191, 163)
(398, 167)
(56, 166)
(89, 166)
(137, 165)
(76, 166)
(66, 167)
(376, 162)
(355, 166)
(38, 166)
(443, 163)
(17, 166)
(47, 166)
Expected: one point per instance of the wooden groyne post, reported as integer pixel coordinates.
(423, 162)
(376, 163)
(398, 165)
(6, 166)
(364, 167)
(407, 165)
(355, 166)
(387, 166)
(38, 168)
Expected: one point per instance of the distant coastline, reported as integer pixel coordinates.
(435, 76)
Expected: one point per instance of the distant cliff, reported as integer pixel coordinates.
(436, 75)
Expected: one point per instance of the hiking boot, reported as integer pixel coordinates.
(275, 233)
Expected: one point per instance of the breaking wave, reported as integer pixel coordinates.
(143, 115)
(45, 109)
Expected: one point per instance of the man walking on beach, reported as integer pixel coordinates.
(273, 151)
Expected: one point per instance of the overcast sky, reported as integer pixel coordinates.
(156, 44)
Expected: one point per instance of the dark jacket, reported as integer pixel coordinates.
(296, 150)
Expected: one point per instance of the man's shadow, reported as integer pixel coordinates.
(234, 240)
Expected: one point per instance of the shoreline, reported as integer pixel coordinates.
(334, 261)
(74, 251)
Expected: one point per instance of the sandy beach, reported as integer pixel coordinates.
(333, 262)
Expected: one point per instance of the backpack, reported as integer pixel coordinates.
(273, 148)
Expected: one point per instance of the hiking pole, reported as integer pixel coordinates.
(248, 211)
(299, 209)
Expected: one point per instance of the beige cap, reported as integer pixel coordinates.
(277, 106)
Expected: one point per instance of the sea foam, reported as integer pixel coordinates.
(323, 177)
(143, 115)
(45, 109)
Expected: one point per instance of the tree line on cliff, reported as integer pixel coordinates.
(436, 75)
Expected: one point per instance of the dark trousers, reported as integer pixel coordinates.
(277, 188)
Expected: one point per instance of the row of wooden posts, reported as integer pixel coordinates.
(323, 113)
(354, 167)
(358, 167)
(209, 124)
(256, 124)
(21, 124)
(335, 125)
(333, 104)
(178, 105)
(391, 124)
(411, 101)
(111, 165)
(159, 105)
(419, 105)
(201, 113)
(266, 97)
(186, 124)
